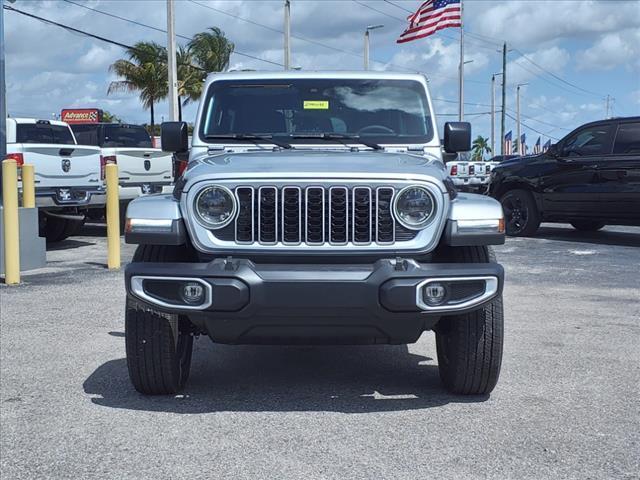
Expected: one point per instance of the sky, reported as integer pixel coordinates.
(568, 54)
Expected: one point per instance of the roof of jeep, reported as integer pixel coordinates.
(309, 74)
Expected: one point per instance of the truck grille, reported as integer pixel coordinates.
(314, 216)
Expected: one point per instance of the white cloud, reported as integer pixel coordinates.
(527, 23)
(612, 50)
(553, 59)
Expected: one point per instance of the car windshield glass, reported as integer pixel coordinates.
(376, 111)
(44, 133)
(86, 134)
(116, 135)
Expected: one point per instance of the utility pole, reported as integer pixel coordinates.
(606, 114)
(461, 67)
(520, 149)
(172, 62)
(504, 98)
(493, 114)
(3, 93)
(287, 34)
(366, 44)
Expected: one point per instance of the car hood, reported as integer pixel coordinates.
(518, 161)
(314, 164)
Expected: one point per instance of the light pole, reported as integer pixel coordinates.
(366, 44)
(3, 94)
(461, 89)
(493, 112)
(172, 67)
(287, 34)
(518, 116)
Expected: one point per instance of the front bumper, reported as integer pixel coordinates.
(250, 303)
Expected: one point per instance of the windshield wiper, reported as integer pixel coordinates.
(255, 138)
(339, 137)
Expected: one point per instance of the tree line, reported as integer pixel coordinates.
(145, 69)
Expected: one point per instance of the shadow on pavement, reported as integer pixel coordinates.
(67, 244)
(602, 237)
(343, 379)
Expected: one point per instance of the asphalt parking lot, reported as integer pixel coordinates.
(567, 404)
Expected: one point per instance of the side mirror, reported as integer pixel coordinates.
(174, 137)
(457, 137)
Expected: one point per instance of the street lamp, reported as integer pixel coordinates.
(366, 44)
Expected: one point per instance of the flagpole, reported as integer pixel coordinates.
(461, 68)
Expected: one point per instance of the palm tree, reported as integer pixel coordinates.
(189, 79)
(480, 147)
(145, 71)
(211, 50)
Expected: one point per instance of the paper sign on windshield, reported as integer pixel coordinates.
(316, 105)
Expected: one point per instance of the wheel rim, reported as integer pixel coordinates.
(516, 213)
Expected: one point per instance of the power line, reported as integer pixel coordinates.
(558, 77)
(124, 19)
(531, 128)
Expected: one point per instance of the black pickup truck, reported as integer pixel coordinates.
(590, 178)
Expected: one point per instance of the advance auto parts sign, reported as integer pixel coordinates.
(81, 115)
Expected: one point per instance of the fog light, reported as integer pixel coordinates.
(192, 293)
(434, 293)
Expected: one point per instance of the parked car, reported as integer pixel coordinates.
(355, 236)
(67, 175)
(142, 169)
(469, 175)
(590, 178)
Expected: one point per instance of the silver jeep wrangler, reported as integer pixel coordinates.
(315, 209)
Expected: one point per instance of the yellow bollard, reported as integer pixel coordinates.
(10, 222)
(113, 217)
(28, 187)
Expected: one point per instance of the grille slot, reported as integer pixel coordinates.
(292, 215)
(244, 221)
(361, 216)
(315, 216)
(268, 212)
(338, 215)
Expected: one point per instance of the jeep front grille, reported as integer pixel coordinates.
(314, 216)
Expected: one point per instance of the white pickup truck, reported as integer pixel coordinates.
(468, 175)
(67, 175)
(142, 168)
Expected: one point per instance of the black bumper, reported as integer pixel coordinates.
(337, 304)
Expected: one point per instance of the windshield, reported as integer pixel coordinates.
(43, 132)
(120, 135)
(380, 111)
(86, 134)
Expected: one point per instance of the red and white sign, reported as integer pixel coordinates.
(81, 115)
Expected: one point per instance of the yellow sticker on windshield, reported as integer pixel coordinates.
(316, 105)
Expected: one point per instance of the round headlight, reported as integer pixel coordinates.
(215, 207)
(414, 207)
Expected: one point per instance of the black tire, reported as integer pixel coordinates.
(56, 229)
(520, 213)
(587, 225)
(469, 346)
(159, 349)
(158, 346)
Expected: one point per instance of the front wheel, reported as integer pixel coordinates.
(587, 225)
(469, 346)
(158, 345)
(520, 212)
(159, 350)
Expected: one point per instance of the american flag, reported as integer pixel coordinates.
(433, 15)
(523, 144)
(508, 143)
(546, 146)
(537, 148)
